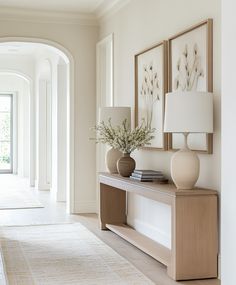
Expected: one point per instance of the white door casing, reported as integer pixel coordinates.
(105, 93)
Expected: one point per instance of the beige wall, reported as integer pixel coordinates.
(228, 228)
(80, 41)
(137, 26)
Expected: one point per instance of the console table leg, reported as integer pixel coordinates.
(112, 205)
(194, 238)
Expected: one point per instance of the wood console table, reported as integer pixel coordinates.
(194, 224)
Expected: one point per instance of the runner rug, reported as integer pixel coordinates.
(67, 254)
(18, 199)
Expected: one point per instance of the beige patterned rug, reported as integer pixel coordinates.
(67, 254)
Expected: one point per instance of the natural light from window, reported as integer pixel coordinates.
(5, 132)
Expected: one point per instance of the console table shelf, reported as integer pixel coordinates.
(194, 225)
(144, 243)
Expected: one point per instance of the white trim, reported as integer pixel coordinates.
(40, 16)
(86, 207)
(70, 150)
(109, 40)
(3, 273)
(42, 187)
(32, 136)
(103, 70)
(15, 72)
(15, 133)
(108, 8)
(219, 266)
(12, 95)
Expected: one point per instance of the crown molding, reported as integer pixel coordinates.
(104, 10)
(41, 16)
(109, 8)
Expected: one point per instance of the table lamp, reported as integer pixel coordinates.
(117, 116)
(187, 112)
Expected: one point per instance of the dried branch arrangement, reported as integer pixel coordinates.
(189, 70)
(150, 91)
(122, 138)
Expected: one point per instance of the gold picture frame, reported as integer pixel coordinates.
(151, 85)
(198, 40)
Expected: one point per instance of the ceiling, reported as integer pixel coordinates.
(17, 48)
(24, 49)
(75, 6)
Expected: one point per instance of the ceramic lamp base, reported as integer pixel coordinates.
(185, 167)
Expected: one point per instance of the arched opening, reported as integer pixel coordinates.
(59, 95)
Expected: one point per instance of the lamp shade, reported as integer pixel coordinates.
(116, 114)
(189, 112)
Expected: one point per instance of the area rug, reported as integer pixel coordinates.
(18, 199)
(67, 254)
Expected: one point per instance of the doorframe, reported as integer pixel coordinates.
(104, 48)
(70, 205)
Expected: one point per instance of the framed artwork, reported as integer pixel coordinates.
(151, 85)
(190, 67)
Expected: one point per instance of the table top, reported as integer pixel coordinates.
(127, 184)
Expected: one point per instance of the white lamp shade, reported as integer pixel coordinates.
(189, 112)
(116, 114)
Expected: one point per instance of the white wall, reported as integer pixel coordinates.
(62, 87)
(140, 25)
(228, 228)
(43, 79)
(51, 74)
(20, 88)
(23, 64)
(80, 40)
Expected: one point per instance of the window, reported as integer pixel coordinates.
(5, 133)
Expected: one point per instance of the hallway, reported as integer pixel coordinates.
(51, 213)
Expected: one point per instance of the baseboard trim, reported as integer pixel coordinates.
(219, 266)
(42, 187)
(3, 274)
(85, 207)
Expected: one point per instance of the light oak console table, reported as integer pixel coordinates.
(194, 224)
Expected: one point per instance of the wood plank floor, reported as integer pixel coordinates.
(55, 213)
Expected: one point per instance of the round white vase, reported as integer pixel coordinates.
(112, 156)
(185, 167)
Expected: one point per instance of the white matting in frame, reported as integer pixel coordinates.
(150, 90)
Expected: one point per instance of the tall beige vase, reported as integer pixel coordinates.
(112, 156)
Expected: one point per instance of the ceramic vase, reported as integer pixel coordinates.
(111, 159)
(126, 165)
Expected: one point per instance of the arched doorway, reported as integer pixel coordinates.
(66, 55)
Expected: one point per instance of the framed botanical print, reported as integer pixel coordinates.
(190, 68)
(151, 85)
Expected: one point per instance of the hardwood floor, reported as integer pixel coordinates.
(55, 213)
